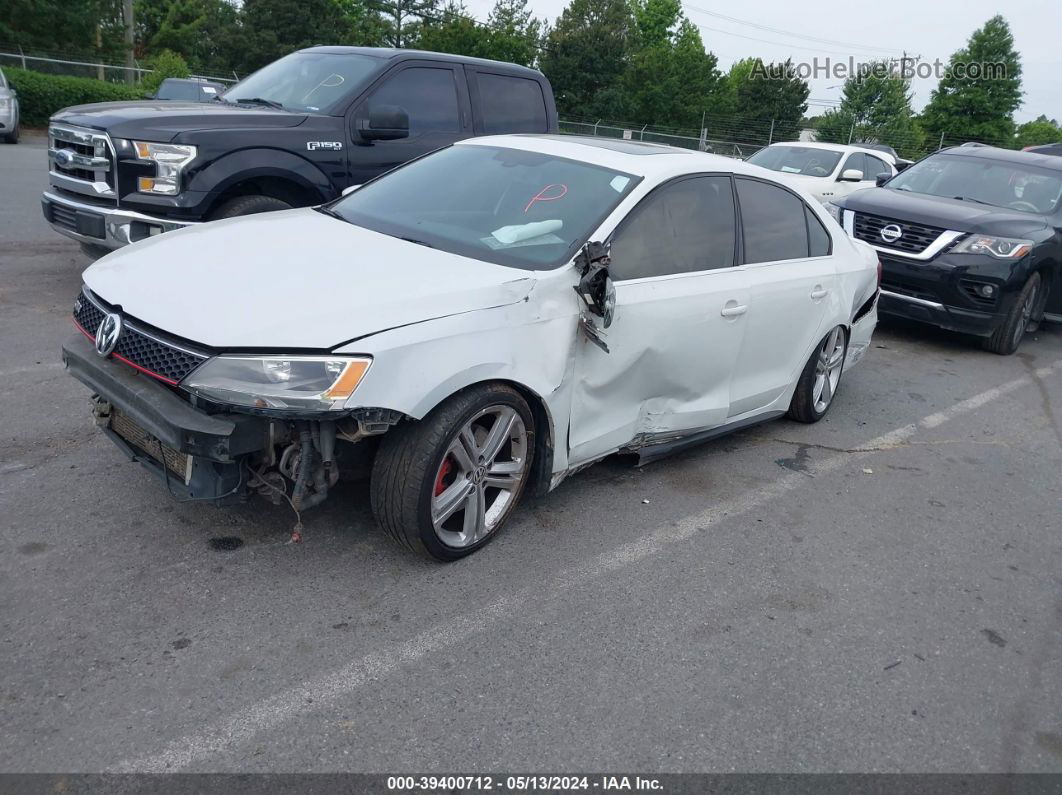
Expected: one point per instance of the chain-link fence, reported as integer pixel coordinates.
(699, 140)
(74, 66)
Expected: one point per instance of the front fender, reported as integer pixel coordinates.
(216, 176)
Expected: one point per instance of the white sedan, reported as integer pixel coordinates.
(826, 171)
(475, 325)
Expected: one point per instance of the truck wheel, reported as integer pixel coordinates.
(248, 205)
(444, 486)
(1006, 339)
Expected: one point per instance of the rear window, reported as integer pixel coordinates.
(511, 104)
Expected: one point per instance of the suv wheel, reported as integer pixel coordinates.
(12, 137)
(444, 486)
(1006, 339)
(248, 205)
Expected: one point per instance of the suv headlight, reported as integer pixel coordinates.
(5, 103)
(314, 383)
(998, 247)
(169, 160)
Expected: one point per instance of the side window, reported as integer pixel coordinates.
(876, 166)
(427, 94)
(818, 237)
(511, 104)
(683, 227)
(773, 221)
(856, 161)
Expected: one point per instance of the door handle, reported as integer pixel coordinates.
(819, 292)
(733, 309)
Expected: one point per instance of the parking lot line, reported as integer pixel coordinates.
(319, 691)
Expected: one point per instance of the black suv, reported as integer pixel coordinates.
(295, 133)
(970, 239)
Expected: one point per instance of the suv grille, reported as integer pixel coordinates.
(914, 238)
(148, 352)
(94, 164)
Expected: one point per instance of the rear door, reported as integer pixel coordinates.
(677, 327)
(792, 281)
(507, 103)
(435, 97)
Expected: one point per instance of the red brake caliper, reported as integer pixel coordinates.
(444, 470)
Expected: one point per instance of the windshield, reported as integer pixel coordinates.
(804, 160)
(979, 179)
(507, 206)
(307, 80)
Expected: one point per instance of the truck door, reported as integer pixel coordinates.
(435, 98)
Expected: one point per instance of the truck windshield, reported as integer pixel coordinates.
(306, 80)
(506, 206)
(1000, 183)
(806, 160)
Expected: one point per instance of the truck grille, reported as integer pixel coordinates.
(914, 238)
(178, 463)
(147, 351)
(87, 159)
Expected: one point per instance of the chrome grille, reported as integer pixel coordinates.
(167, 361)
(914, 238)
(81, 160)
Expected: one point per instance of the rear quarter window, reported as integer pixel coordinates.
(509, 104)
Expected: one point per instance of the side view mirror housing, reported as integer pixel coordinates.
(882, 178)
(596, 290)
(385, 123)
(349, 190)
(851, 175)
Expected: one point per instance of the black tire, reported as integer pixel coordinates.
(1006, 339)
(93, 251)
(12, 137)
(248, 205)
(803, 406)
(408, 468)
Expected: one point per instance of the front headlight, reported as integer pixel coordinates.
(169, 160)
(834, 211)
(5, 103)
(998, 247)
(313, 383)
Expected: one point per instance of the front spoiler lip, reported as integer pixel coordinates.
(117, 223)
(175, 423)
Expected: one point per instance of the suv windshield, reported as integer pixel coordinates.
(307, 80)
(980, 179)
(804, 160)
(506, 206)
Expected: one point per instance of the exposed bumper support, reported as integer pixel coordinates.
(110, 227)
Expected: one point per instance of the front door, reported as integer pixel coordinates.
(435, 98)
(677, 327)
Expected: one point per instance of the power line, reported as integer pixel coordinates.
(777, 43)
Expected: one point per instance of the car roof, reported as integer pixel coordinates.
(844, 148)
(390, 53)
(1005, 155)
(629, 157)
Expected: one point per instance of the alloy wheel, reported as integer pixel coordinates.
(828, 369)
(1027, 308)
(480, 476)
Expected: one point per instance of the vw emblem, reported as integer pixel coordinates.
(107, 334)
(63, 158)
(891, 233)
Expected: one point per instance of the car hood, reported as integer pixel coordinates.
(290, 280)
(954, 214)
(163, 120)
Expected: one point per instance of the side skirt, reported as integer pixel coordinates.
(653, 452)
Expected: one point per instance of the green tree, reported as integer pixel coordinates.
(585, 56)
(766, 102)
(456, 32)
(875, 108)
(1041, 130)
(274, 28)
(206, 33)
(403, 19)
(165, 64)
(64, 27)
(515, 35)
(967, 106)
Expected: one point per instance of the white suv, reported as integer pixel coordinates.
(826, 171)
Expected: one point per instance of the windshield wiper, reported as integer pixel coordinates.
(971, 199)
(330, 213)
(418, 242)
(269, 103)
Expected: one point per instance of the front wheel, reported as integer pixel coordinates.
(444, 486)
(12, 137)
(820, 378)
(248, 205)
(1006, 339)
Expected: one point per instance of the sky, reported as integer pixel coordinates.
(777, 29)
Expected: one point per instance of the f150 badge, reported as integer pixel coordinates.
(335, 146)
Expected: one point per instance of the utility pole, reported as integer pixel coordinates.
(130, 41)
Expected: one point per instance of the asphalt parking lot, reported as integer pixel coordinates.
(878, 592)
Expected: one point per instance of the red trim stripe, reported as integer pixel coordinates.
(134, 365)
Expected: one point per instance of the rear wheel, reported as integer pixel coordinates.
(444, 486)
(821, 376)
(1006, 339)
(248, 205)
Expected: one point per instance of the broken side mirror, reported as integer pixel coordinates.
(596, 289)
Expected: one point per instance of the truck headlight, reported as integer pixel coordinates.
(169, 160)
(313, 383)
(998, 247)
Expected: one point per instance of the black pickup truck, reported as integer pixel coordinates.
(295, 133)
